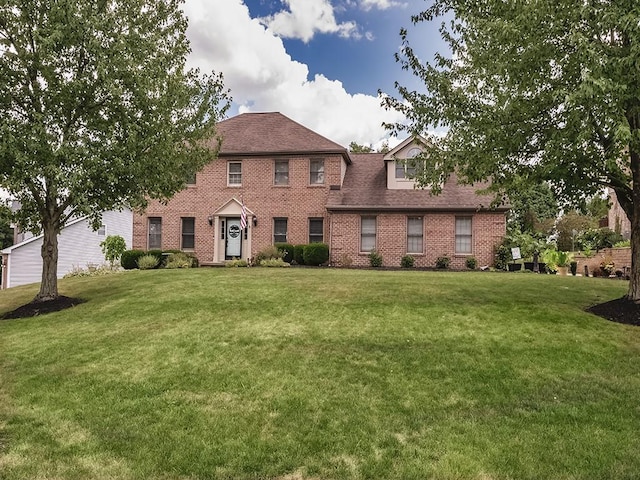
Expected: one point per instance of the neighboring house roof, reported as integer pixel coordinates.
(271, 133)
(365, 188)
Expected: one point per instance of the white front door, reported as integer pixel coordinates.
(233, 244)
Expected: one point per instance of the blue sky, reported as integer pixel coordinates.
(320, 62)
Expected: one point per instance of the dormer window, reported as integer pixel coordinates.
(407, 169)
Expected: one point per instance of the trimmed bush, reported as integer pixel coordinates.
(147, 262)
(316, 254)
(179, 260)
(286, 250)
(471, 263)
(236, 262)
(443, 262)
(375, 259)
(158, 255)
(407, 261)
(129, 259)
(298, 254)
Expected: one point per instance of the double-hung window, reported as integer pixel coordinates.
(188, 233)
(463, 235)
(316, 171)
(155, 233)
(316, 226)
(415, 235)
(281, 172)
(279, 230)
(234, 173)
(367, 234)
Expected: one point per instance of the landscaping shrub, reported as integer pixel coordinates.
(286, 249)
(316, 254)
(407, 261)
(471, 263)
(274, 262)
(91, 271)
(375, 259)
(147, 262)
(129, 259)
(345, 260)
(267, 254)
(236, 262)
(113, 247)
(298, 254)
(179, 260)
(503, 256)
(158, 255)
(443, 262)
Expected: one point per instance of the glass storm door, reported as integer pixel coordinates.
(234, 239)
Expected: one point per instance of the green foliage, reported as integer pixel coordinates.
(407, 261)
(91, 271)
(274, 262)
(113, 247)
(267, 253)
(159, 255)
(356, 148)
(570, 222)
(286, 250)
(98, 110)
(178, 260)
(375, 259)
(298, 254)
(236, 262)
(443, 262)
(6, 232)
(148, 262)
(503, 256)
(471, 263)
(316, 254)
(534, 208)
(622, 244)
(129, 259)
(529, 91)
(598, 238)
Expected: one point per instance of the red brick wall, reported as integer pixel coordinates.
(621, 257)
(298, 202)
(488, 229)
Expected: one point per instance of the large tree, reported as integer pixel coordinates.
(538, 89)
(97, 111)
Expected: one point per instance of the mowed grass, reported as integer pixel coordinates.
(320, 374)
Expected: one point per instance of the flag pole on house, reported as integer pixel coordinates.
(243, 214)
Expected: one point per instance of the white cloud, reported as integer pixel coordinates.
(305, 18)
(380, 4)
(263, 77)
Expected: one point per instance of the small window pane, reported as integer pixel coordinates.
(367, 234)
(316, 226)
(282, 172)
(463, 235)
(235, 173)
(316, 173)
(279, 230)
(414, 235)
(188, 233)
(155, 233)
(399, 169)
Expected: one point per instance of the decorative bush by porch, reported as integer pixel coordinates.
(286, 250)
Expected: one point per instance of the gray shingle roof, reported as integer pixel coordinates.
(365, 188)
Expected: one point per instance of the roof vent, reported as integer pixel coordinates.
(334, 187)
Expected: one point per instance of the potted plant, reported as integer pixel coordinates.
(563, 260)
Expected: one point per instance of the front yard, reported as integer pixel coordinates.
(320, 374)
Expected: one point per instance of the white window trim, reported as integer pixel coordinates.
(229, 184)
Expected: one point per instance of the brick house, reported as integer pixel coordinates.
(299, 187)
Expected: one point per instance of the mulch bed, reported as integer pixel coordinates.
(38, 308)
(620, 310)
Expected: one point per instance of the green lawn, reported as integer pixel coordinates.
(298, 374)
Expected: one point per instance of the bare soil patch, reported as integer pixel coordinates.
(39, 308)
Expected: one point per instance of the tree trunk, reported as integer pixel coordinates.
(634, 283)
(49, 284)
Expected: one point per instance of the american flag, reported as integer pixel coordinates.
(243, 216)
